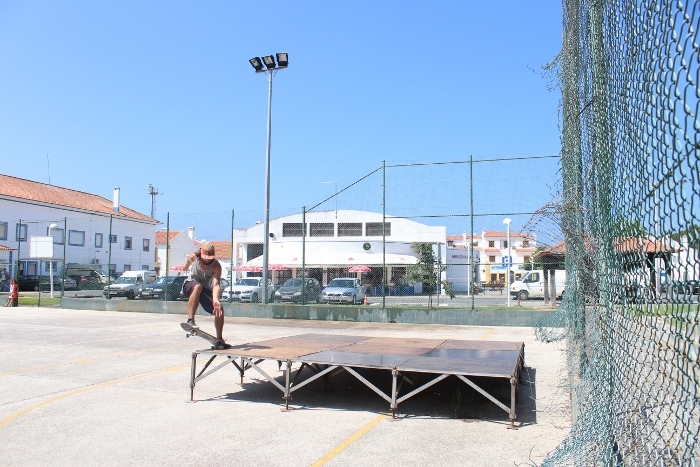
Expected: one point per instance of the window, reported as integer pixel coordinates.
(146, 244)
(322, 229)
(450, 243)
(492, 259)
(127, 267)
(76, 237)
(57, 234)
(3, 230)
(127, 243)
(526, 243)
(526, 259)
(54, 265)
(491, 244)
(505, 243)
(98, 240)
(21, 232)
(291, 229)
(144, 267)
(112, 239)
(350, 229)
(374, 229)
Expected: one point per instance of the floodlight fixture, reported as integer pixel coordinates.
(282, 60)
(257, 64)
(269, 62)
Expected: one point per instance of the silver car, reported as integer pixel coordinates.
(344, 290)
(248, 289)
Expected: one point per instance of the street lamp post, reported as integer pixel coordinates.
(270, 67)
(507, 221)
(51, 227)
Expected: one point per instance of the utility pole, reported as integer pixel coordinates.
(153, 191)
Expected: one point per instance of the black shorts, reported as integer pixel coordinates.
(205, 296)
(15, 302)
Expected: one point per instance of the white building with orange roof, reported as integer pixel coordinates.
(86, 228)
(490, 250)
(174, 255)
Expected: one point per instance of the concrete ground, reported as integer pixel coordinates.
(112, 388)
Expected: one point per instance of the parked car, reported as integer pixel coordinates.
(290, 291)
(129, 284)
(248, 289)
(88, 276)
(68, 283)
(170, 286)
(344, 290)
(29, 282)
(681, 290)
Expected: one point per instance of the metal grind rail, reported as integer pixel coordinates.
(325, 356)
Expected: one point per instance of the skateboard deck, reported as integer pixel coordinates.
(216, 343)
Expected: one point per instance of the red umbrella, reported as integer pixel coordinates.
(177, 268)
(359, 268)
(276, 267)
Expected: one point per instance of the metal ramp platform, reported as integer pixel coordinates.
(326, 355)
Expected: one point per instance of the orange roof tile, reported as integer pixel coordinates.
(160, 235)
(22, 189)
(222, 249)
(498, 233)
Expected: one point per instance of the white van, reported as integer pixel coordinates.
(129, 283)
(531, 285)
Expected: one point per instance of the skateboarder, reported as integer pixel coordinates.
(202, 287)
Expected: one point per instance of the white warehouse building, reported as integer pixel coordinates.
(335, 242)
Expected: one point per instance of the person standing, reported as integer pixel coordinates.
(13, 298)
(203, 288)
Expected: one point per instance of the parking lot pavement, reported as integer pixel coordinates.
(112, 388)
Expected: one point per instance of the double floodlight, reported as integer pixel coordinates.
(269, 62)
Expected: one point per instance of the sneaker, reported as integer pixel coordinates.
(192, 323)
(221, 345)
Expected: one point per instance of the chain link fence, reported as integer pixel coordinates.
(627, 227)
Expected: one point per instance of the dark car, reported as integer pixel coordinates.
(91, 280)
(681, 290)
(68, 283)
(30, 282)
(170, 286)
(290, 291)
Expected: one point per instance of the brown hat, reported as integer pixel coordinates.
(206, 251)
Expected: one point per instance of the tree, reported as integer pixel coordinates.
(427, 271)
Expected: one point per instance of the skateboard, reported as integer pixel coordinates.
(217, 344)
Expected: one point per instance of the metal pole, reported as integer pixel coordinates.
(266, 240)
(383, 234)
(303, 255)
(19, 244)
(167, 255)
(109, 258)
(63, 272)
(471, 225)
(508, 264)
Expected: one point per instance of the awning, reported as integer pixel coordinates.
(290, 256)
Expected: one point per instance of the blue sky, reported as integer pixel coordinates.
(129, 93)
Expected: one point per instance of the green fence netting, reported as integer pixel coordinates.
(628, 225)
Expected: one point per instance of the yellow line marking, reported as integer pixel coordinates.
(87, 360)
(339, 448)
(487, 335)
(85, 389)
